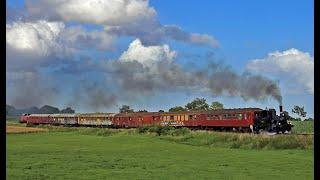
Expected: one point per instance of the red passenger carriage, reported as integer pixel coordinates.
(253, 119)
(37, 118)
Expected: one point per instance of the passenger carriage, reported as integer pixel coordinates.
(95, 119)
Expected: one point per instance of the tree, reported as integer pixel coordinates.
(197, 104)
(161, 111)
(143, 110)
(216, 105)
(125, 109)
(309, 119)
(177, 109)
(299, 111)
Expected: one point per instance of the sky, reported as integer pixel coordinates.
(97, 55)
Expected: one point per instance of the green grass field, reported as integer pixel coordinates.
(85, 154)
(302, 127)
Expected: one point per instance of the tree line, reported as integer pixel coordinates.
(197, 104)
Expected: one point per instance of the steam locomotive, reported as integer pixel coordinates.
(243, 119)
(268, 120)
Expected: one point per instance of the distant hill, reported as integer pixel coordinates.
(12, 111)
(48, 110)
(67, 110)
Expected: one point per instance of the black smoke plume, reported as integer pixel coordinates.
(215, 79)
(130, 80)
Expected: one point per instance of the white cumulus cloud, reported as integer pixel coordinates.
(147, 55)
(291, 65)
(133, 18)
(78, 37)
(35, 37)
(108, 12)
(39, 42)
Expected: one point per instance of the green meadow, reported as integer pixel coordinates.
(302, 126)
(92, 153)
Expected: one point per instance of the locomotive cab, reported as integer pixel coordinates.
(263, 120)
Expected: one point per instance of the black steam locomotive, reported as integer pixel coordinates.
(268, 120)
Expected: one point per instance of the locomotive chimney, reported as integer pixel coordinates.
(280, 107)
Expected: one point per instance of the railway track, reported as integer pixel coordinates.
(305, 134)
(287, 134)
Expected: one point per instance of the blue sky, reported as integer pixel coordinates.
(246, 30)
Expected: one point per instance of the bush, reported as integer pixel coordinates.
(142, 129)
(180, 131)
(162, 130)
(153, 129)
(29, 124)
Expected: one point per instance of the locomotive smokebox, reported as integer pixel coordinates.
(280, 107)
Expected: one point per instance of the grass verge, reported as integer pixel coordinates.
(11, 129)
(199, 138)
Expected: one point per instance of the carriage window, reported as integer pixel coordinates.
(182, 118)
(171, 117)
(190, 117)
(228, 116)
(240, 116)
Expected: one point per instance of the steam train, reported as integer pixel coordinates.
(243, 119)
